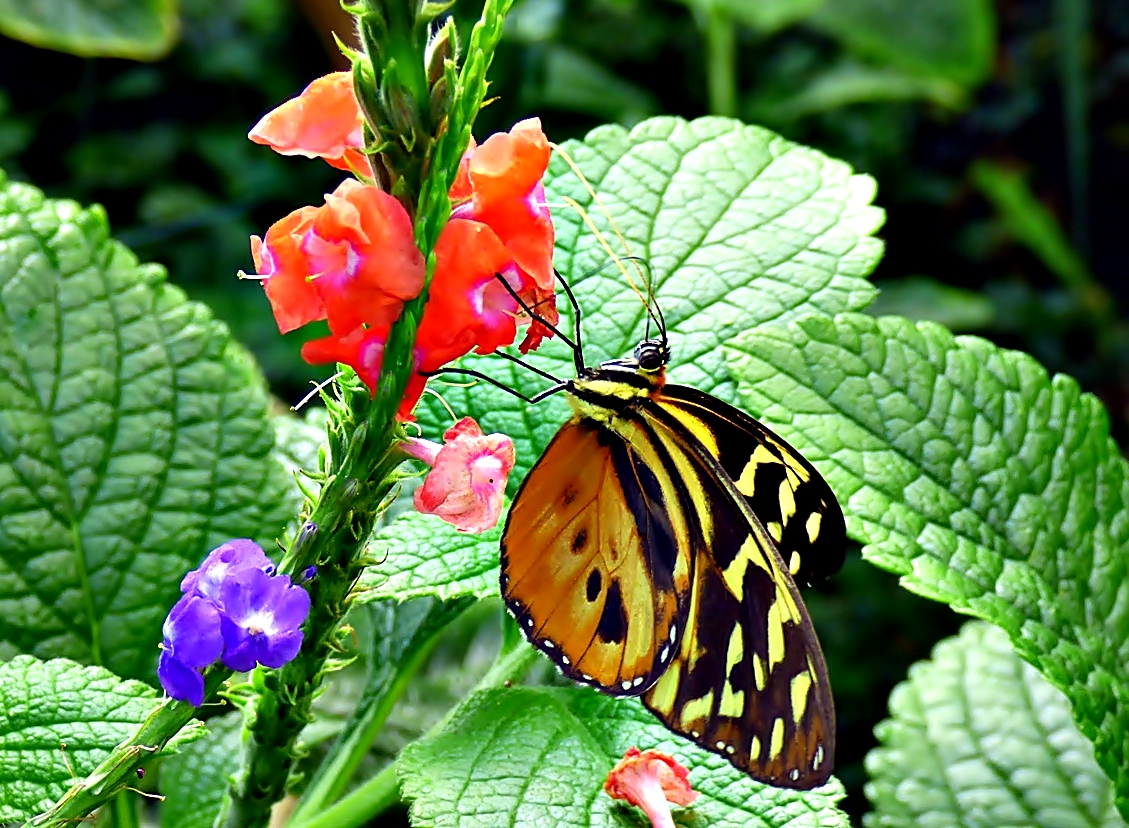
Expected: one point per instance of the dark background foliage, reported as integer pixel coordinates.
(1004, 193)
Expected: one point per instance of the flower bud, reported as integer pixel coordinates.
(443, 46)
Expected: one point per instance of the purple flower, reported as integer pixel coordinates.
(228, 561)
(234, 607)
(192, 642)
(261, 620)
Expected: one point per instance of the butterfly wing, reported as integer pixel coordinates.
(749, 680)
(594, 565)
(786, 493)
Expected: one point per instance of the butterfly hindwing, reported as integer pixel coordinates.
(749, 681)
(785, 492)
(595, 567)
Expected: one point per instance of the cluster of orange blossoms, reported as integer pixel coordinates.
(353, 261)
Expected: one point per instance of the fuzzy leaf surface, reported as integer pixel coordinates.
(979, 737)
(46, 704)
(980, 480)
(134, 437)
(539, 756)
(740, 227)
(138, 29)
(424, 556)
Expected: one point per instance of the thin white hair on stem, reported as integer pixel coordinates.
(439, 397)
(317, 389)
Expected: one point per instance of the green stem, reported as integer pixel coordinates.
(123, 811)
(364, 725)
(721, 60)
(383, 790)
(117, 769)
(1072, 24)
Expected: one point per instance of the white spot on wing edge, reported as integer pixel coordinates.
(625, 684)
(564, 660)
(794, 775)
(548, 644)
(637, 682)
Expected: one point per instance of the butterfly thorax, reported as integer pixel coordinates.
(602, 392)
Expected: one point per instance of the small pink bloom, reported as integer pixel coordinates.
(468, 476)
(652, 781)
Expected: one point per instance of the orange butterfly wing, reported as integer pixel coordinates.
(598, 577)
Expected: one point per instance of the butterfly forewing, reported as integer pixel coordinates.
(785, 492)
(749, 680)
(595, 567)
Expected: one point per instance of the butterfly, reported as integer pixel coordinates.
(654, 550)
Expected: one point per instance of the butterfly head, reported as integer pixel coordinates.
(652, 355)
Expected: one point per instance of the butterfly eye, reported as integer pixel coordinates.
(650, 355)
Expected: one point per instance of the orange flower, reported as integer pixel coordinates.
(323, 122)
(281, 263)
(468, 475)
(362, 257)
(652, 781)
(499, 184)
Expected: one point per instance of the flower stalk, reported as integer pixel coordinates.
(415, 151)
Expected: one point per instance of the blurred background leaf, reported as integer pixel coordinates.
(139, 29)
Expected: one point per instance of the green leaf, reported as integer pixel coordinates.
(422, 555)
(847, 82)
(1031, 223)
(765, 16)
(953, 39)
(980, 480)
(539, 756)
(138, 29)
(740, 227)
(194, 780)
(134, 438)
(980, 738)
(47, 704)
(574, 82)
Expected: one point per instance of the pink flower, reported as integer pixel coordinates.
(652, 781)
(467, 478)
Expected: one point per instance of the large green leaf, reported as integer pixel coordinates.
(980, 480)
(194, 780)
(45, 705)
(539, 756)
(980, 738)
(740, 227)
(420, 555)
(134, 437)
(140, 29)
(952, 39)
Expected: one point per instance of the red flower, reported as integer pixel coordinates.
(362, 256)
(352, 261)
(652, 781)
(499, 184)
(279, 260)
(323, 122)
(468, 476)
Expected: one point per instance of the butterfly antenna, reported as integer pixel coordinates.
(467, 372)
(603, 241)
(534, 315)
(578, 351)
